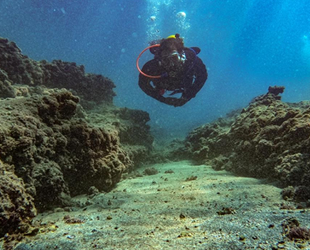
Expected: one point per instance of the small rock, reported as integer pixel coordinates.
(150, 171)
(191, 178)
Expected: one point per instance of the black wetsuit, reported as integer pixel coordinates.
(188, 81)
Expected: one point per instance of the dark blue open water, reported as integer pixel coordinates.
(247, 46)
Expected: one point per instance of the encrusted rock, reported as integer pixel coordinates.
(16, 205)
(16, 68)
(269, 138)
(52, 150)
(276, 90)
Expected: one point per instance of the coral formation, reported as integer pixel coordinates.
(52, 150)
(131, 126)
(16, 205)
(56, 149)
(276, 90)
(16, 68)
(269, 138)
(292, 229)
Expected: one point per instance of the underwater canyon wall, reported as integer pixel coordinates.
(60, 136)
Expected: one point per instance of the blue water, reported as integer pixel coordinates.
(247, 46)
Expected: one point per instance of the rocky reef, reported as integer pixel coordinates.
(16, 68)
(53, 143)
(268, 139)
(16, 205)
(52, 151)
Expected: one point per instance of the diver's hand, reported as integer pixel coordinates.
(176, 102)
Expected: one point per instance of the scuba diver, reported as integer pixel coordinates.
(175, 75)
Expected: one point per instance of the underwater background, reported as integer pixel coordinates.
(247, 45)
(79, 167)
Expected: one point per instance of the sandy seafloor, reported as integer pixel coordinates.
(164, 211)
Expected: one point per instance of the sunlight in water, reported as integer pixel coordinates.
(306, 49)
(160, 2)
(156, 18)
(153, 21)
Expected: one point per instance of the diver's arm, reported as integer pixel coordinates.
(150, 68)
(191, 88)
(145, 85)
(176, 102)
(200, 73)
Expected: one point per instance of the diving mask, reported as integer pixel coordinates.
(173, 60)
